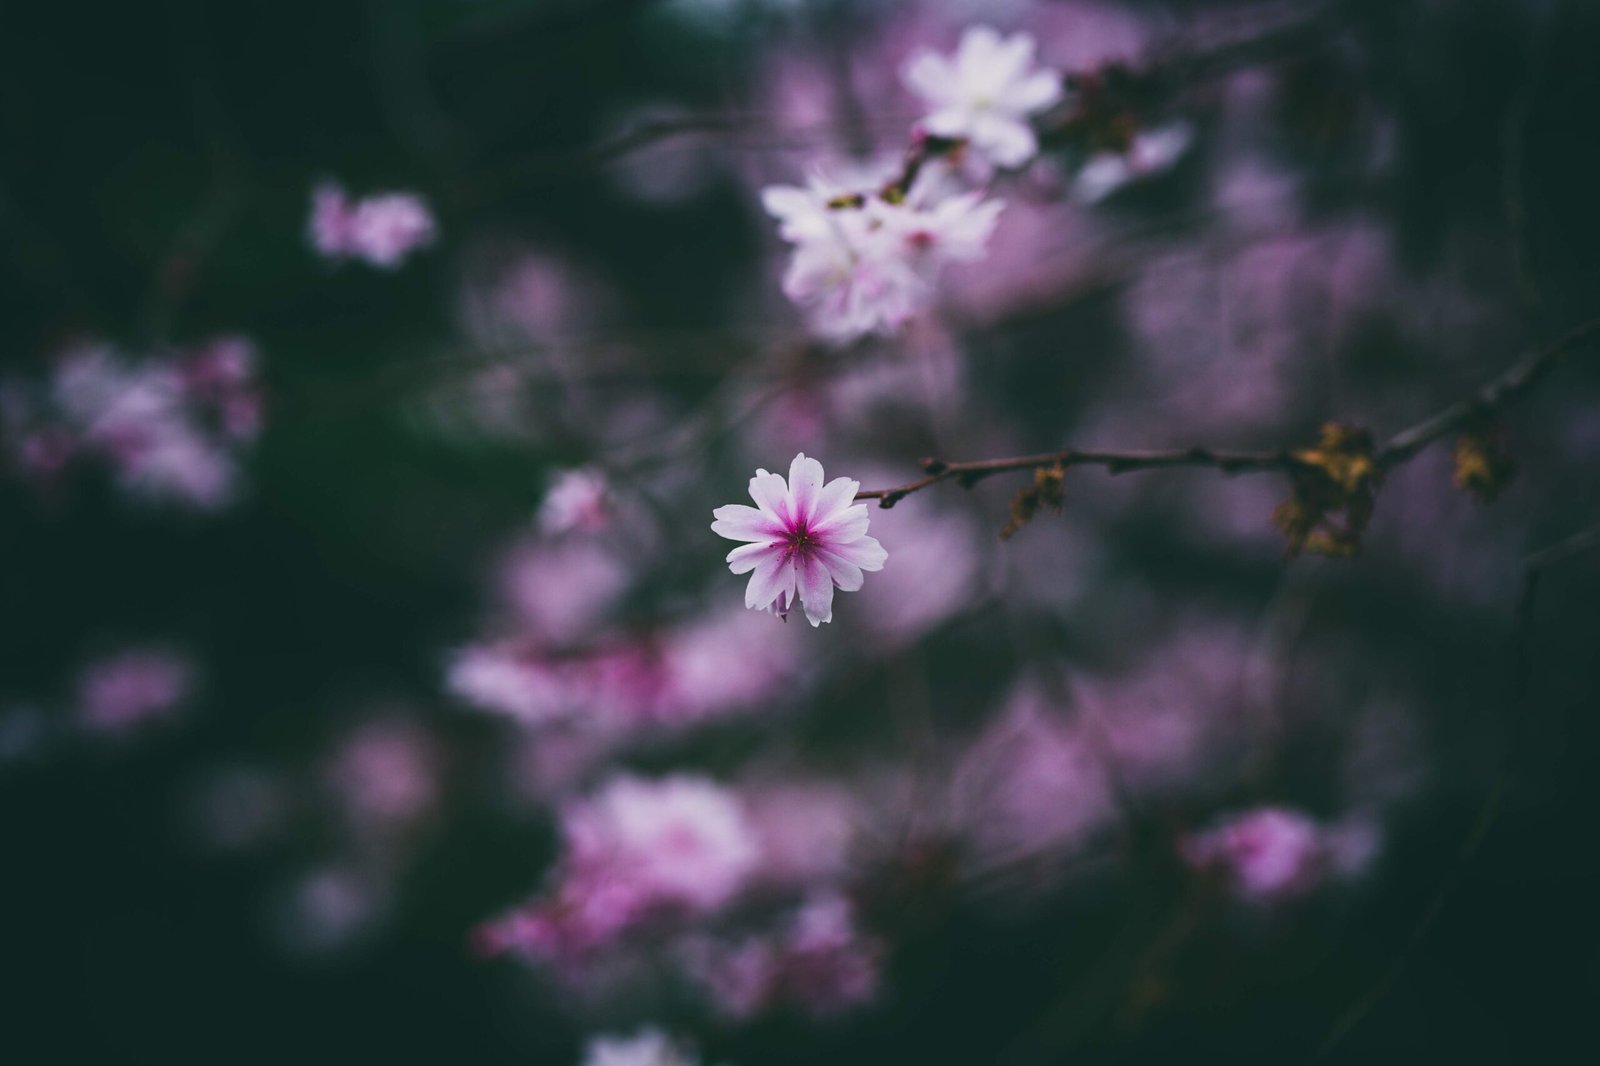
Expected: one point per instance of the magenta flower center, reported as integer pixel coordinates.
(800, 541)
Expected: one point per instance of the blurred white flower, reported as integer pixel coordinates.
(985, 93)
(647, 1047)
(1151, 152)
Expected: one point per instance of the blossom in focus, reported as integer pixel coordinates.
(381, 230)
(985, 93)
(647, 1047)
(804, 539)
(865, 265)
(136, 686)
(1270, 854)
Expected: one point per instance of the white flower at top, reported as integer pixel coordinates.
(985, 93)
(804, 539)
(865, 265)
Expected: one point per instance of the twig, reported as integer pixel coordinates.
(1493, 397)
(970, 473)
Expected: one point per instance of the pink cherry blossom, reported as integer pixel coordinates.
(136, 686)
(1271, 854)
(985, 93)
(386, 229)
(637, 851)
(869, 267)
(820, 961)
(805, 538)
(682, 841)
(381, 230)
(578, 500)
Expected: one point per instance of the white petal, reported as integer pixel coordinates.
(772, 495)
(930, 76)
(746, 557)
(977, 50)
(843, 526)
(1006, 141)
(836, 496)
(738, 522)
(781, 201)
(949, 122)
(773, 574)
(1037, 91)
(846, 575)
(866, 553)
(805, 485)
(816, 590)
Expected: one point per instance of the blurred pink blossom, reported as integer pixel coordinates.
(819, 961)
(869, 267)
(577, 501)
(560, 590)
(170, 428)
(1271, 854)
(133, 687)
(381, 230)
(385, 772)
(637, 849)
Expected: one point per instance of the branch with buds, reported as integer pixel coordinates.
(1338, 476)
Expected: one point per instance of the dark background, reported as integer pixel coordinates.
(154, 166)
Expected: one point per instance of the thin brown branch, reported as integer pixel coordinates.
(1493, 397)
(970, 473)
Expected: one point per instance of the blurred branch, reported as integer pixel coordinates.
(1493, 397)
(1101, 96)
(1267, 36)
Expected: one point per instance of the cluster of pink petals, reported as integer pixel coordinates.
(170, 428)
(1271, 854)
(381, 230)
(637, 850)
(804, 539)
(820, 961)
(869, 267)
(677, 677)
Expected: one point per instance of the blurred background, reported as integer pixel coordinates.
(369, 374)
